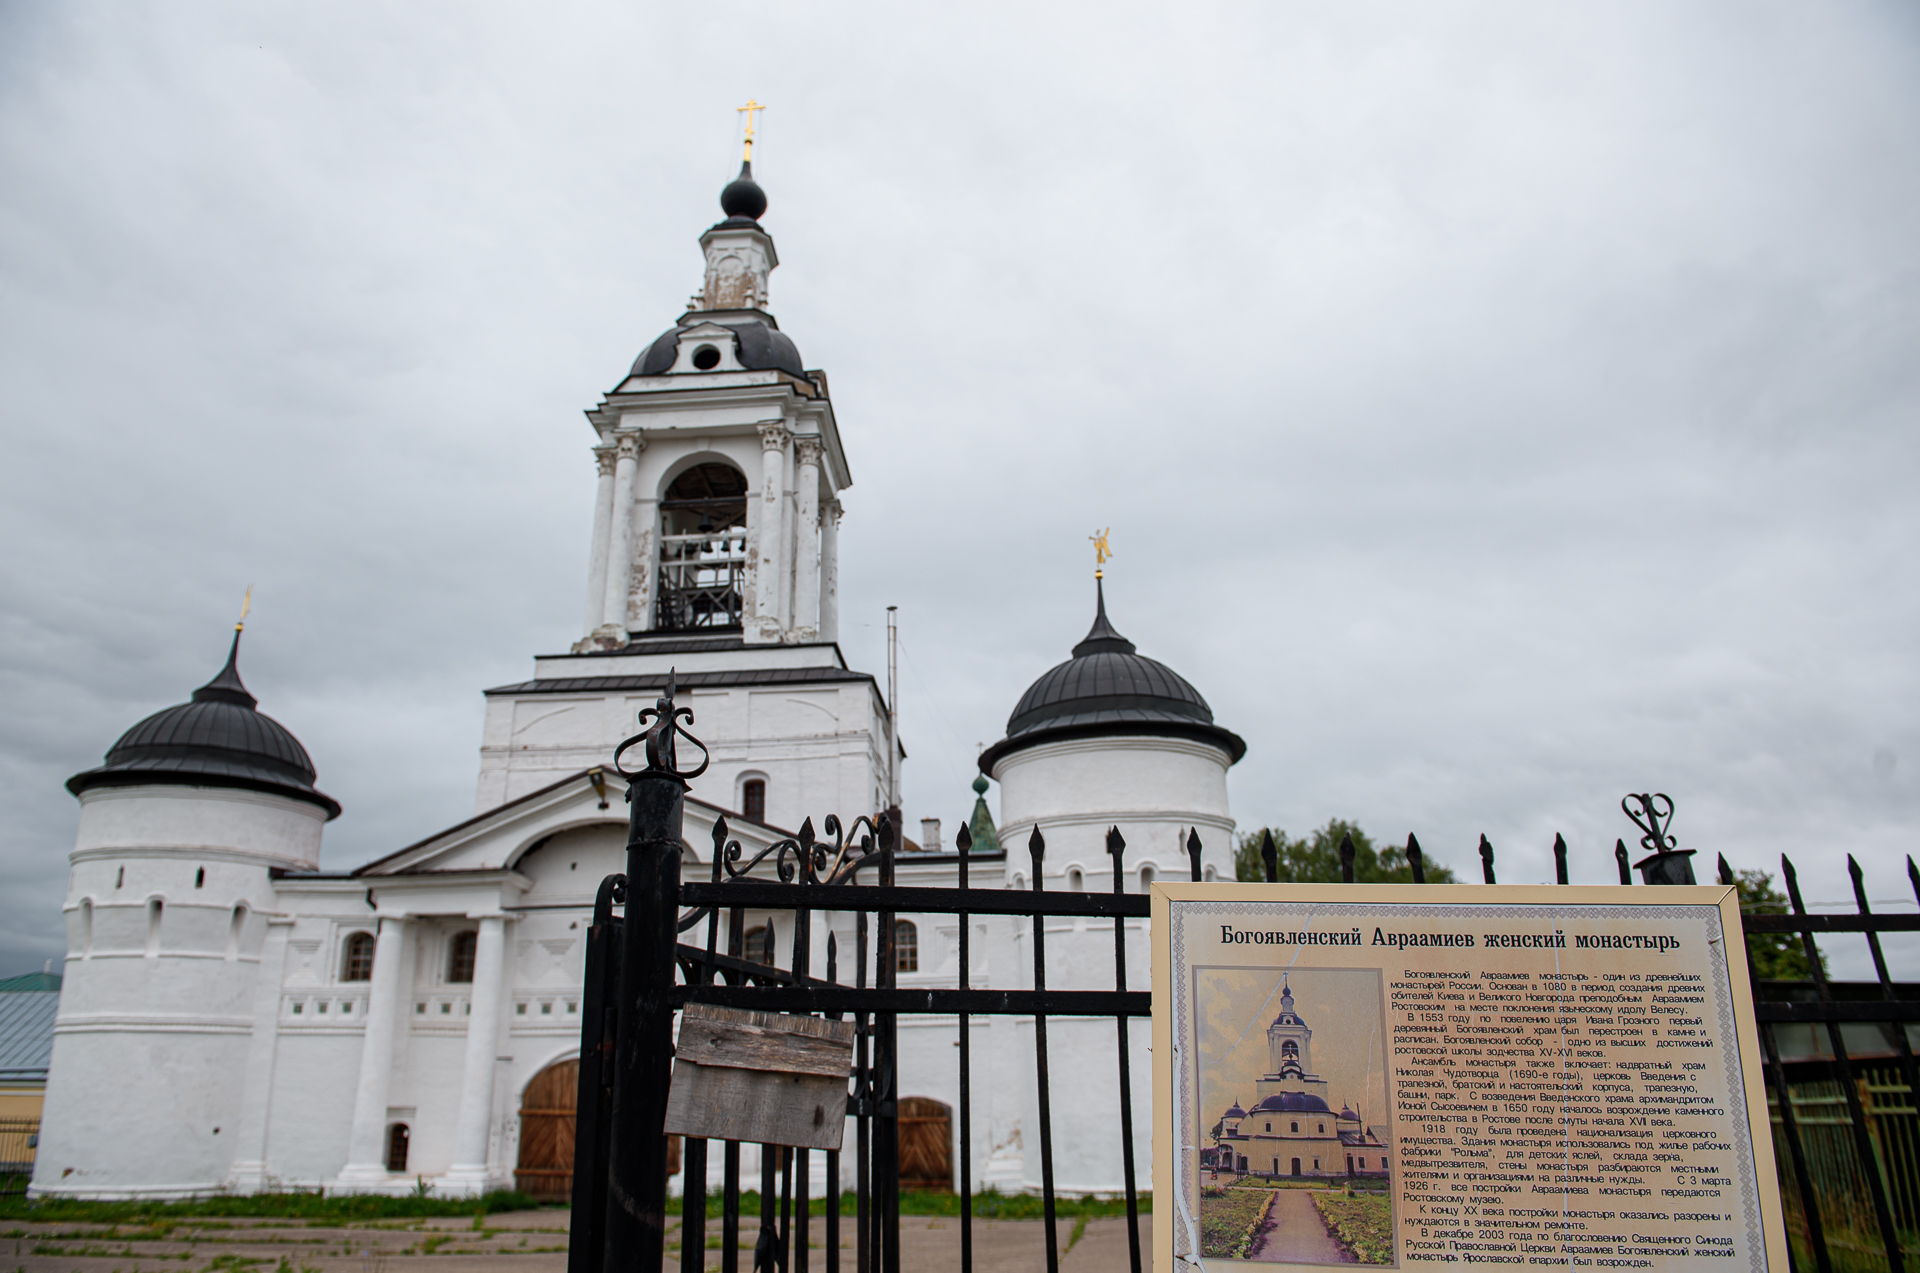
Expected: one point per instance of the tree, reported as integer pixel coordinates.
(1774, 956)
(1316, 859)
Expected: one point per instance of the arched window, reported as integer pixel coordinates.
(1296, 1127)
(1147, 875)
(758, 944)
(1323, 1129)
(86, 928)
(200, 877)
(460, 956)
(236, 929)
(1209, 874)
(1075, 880)
(703, 550)
(356, 958)
(906, 946)
(1290, 1048)
(155, 909)
(753, 800)
(398, 1138)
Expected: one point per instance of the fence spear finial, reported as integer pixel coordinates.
(1486, 859)
(1416, 859)
(1559, 858)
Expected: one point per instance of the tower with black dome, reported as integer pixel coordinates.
(714, 551)
(1113, 738)
(182, 830)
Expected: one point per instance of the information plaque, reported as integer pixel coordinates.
(1425, 1075)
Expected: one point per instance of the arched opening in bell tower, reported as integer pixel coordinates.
(703, 549)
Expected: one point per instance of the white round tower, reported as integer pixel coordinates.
(1109, 739)
(167, 903)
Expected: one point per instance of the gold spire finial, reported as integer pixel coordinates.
(748, 111)
(1100, 551)
(246, 604)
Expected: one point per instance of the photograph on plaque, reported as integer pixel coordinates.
(1411, 1076)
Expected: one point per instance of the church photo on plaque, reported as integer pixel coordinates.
(1414, 1076)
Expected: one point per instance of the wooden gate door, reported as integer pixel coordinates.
(926, 1144)
(546, 1132)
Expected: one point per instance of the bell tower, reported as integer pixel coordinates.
(714, 554)
(720, 467)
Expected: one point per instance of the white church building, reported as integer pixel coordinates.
(233, 1017)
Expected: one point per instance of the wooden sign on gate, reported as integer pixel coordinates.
(760, 1077)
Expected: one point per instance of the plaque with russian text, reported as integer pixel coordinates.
(1416, 1076)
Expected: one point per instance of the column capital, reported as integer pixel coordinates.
(832, 510)
(774, 435)
(604, 458)
(808, 448)
(629, 445)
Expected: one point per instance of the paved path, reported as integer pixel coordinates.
(512, 1242)
(1296, 1233)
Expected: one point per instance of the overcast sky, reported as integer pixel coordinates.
(1498, 408)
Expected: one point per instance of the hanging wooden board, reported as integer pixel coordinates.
(761, 1077)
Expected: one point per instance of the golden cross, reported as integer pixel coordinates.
(748, 110)
(246, 604)
(1101, 552)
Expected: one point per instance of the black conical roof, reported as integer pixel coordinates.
(1108, 687)
(216, 740)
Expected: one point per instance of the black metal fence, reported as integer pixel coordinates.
(1846, 1120)
(19, 1141)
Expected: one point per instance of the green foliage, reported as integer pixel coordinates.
(1229, 1219)
(1774, 956)
(1362, 1222)
(305, 1206)
(1316, 859)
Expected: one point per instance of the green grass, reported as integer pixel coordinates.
(1364, 1222)
(991, 1205)
(292, 1206)
(1227, 1219)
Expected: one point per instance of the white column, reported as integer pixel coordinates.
(806, 540)
(830, 571)
(770, 562)
(603, 459)
(249, 1171)
(613, 610)
(474, 1128)
(366, 1143)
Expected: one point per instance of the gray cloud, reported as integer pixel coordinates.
(1498, 407)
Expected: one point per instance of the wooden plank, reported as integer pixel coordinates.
(724, 1102)
(765, 1041)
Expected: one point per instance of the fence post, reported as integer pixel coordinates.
(643, 1049)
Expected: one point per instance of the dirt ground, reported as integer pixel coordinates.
(511, 1242)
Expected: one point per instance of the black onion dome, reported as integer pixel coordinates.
(743, 197)
(760, 348)
(216, 740)
(1106, 688)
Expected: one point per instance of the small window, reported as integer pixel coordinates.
(460, 956)
(906, 946)
(758, 945)
(356, 962)
(1269, 1126)
(1147, 876)
(706, 358)
(1323, 1129)
(397, 1140)
(446, 1009)
(753, 800)
(546, 1009)
(298, 1008)
(1076, 881)
(121, 878)
(200, 877)
(1296, 1127)
(419, 1009)
(1363, 1162)
(1209, 874)
(321, 1007)
(519, 1009)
